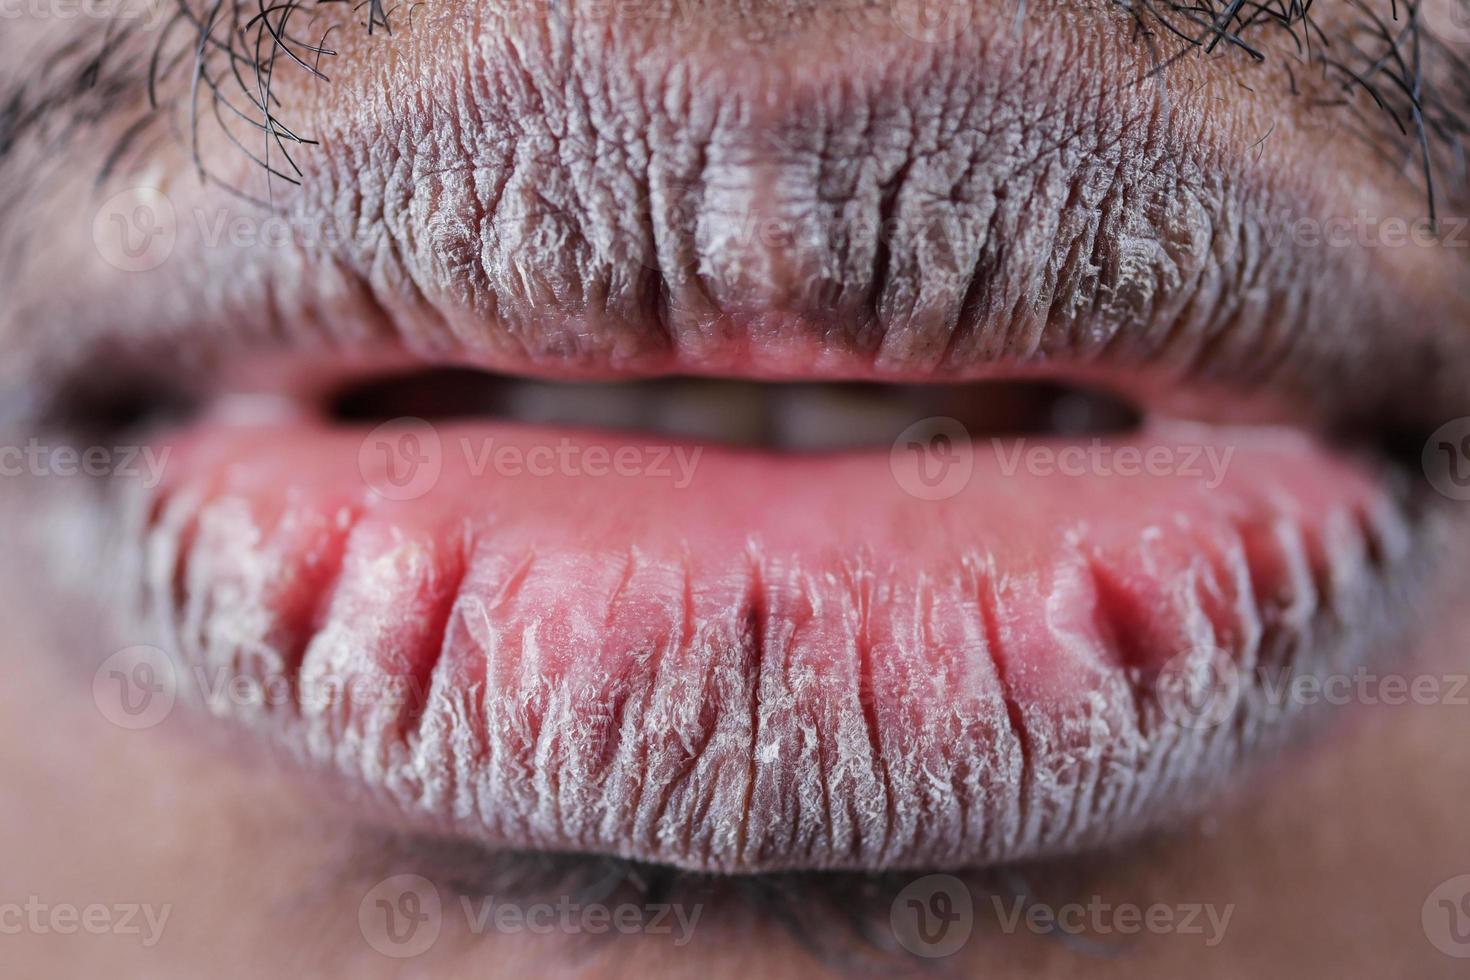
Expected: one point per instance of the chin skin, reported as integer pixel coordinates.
(1327, 857)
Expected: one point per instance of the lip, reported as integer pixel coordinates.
(781, 663)
(786, 662)
(590, 193)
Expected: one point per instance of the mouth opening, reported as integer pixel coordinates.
(801, 417)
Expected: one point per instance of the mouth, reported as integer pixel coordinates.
(599, 504)
(781, 627)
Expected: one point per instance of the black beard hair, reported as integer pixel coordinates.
(1406, 92)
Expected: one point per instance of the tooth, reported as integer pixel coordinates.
(725, 412)
(813, 417)
(611, 405)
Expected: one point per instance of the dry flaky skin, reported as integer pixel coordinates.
(897, 204)
(583, 189)
(852, 714)
(559, 192)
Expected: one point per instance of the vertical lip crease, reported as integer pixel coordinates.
(520, 734)
(565, 196)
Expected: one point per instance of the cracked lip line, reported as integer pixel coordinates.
(760, 672)
(444, 275)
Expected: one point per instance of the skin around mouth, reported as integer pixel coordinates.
(582, 192)
(735, 661)
(486, 640)
(761, 662)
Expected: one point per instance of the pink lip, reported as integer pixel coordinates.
(744, 661)
(757, 662)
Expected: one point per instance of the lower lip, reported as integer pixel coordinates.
(735, 661)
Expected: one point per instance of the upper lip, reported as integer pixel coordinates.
(571, 195)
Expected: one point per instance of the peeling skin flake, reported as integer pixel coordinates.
(856, 691)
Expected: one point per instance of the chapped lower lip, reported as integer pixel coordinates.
(759, 662)
(762, 662)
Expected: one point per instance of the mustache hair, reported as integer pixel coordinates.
(198, 65)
